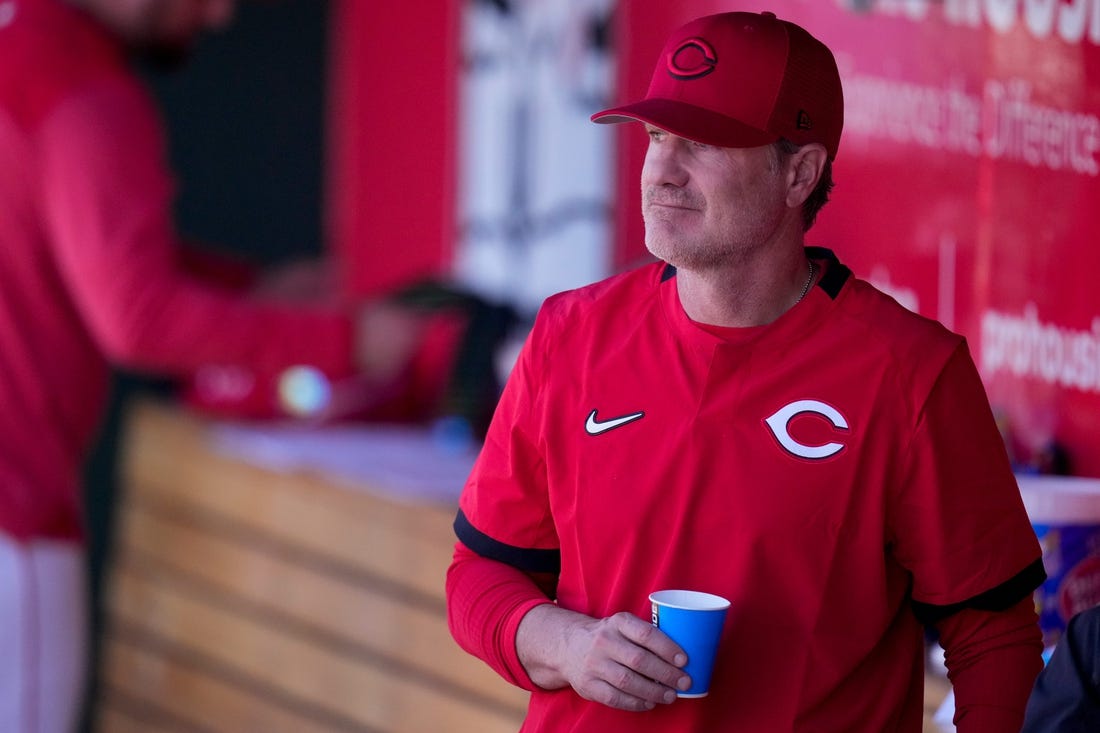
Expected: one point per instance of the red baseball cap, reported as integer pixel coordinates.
(740, 80)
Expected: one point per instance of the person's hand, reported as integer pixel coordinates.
(388, 337)
(620, 661)
(304, 280)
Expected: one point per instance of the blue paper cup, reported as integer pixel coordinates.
(693, 620)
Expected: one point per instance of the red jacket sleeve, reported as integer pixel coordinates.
(486, 600)
(107, 198)
(992, 658)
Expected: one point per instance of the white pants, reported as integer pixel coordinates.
(43, 635)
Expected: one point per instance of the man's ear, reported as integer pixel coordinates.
(806, 166)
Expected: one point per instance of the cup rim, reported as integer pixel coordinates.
(689, 600)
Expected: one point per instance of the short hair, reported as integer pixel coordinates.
(783, 149)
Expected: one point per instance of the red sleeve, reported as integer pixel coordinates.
(958, 523)
(993, 658)
(107, 197)
(486, 600)
(507, 559)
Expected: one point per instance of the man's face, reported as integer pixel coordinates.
(163, 29)
(706, 206)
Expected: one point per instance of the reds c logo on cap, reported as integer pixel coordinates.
(691, 59)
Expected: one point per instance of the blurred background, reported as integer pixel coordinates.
(246, 120)
(246, 134)
(454, 143)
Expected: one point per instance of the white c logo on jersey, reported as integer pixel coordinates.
(778, 423)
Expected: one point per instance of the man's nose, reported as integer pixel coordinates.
(664, 164)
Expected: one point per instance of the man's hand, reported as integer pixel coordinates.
(308, 281)
(620, 661)
(388, 337)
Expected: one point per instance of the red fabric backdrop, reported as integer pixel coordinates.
(391, 156)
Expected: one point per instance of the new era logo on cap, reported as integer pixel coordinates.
(742, 80)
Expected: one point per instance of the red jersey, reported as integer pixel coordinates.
(829, 473)
(89, 265)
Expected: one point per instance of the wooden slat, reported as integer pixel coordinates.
(111, 719)
(295, 670)
(245, 599)
(167, 690)
(390, 539)
(349, 610)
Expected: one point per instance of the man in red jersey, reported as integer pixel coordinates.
(90, 273)
(745, 418)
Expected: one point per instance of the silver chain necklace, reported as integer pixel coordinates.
(809, 282)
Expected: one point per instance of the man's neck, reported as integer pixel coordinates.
(750, 293)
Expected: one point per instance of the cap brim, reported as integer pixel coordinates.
(688, 121)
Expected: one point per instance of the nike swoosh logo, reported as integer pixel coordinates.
(594, 427)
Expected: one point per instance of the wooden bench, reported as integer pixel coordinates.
(242, 599)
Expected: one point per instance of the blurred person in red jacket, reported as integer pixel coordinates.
(92, 275)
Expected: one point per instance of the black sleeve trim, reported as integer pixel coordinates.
(528, 560)
(1004, 596)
